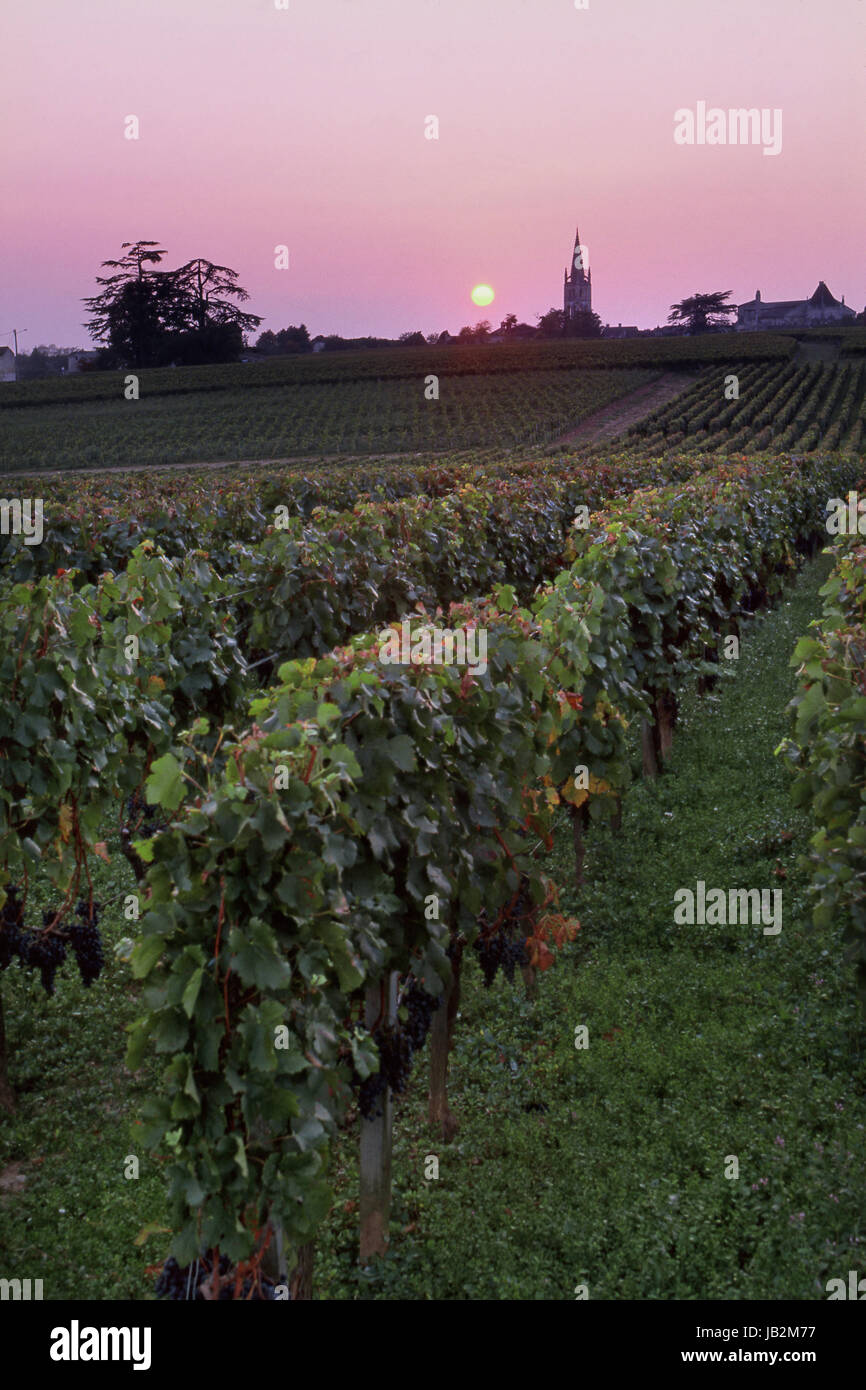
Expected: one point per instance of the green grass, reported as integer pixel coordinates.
(603, 1166)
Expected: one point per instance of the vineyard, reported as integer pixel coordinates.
(393, 415)
(318, 841)
(439, 402)
(780, 406)
(393, 364)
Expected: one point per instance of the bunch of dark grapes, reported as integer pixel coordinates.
(420, 1007)
(44, 950)
(11, 923)
(489, 947)
(397, 1044)
(174, 1282)
(183, 1283)
(513, 955)
(504, 948)
(395, 1061)
(180, 1284)
(86, 942)
(143, 819)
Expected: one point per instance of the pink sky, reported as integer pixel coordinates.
(261, 126)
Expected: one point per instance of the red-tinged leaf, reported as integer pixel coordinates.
(101, 851)
(545, 956)
(466, 684)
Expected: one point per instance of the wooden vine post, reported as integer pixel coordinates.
(648, 749)
(375, 1167)
(441, 1038)
(7, 1095)
(578, 825)
(301, 1278)
(666, 716)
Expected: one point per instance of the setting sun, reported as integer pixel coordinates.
(481, 295)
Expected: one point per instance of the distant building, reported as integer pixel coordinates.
(520, 333)
(7, 364)
(75, 359)
(318, 343)
(577, 287)
(821, 309)
(630, 331)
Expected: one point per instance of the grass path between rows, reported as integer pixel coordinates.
(606, 1167)
(612, 420)
(603, 1167)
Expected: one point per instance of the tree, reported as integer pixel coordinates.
(287, 340)
(293, 339)
(33, 365)
(551, 324)
(203, 293)
(412, 339)
(478, 334)
(144, 316)
(216, 342)
(703, 312)
(267, 343)
(583, 324)
(508, 325)
(127, 312)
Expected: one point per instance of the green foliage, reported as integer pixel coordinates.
(606, 1166)
(827, 749)
(544, 1141)
(272, 904)
(95, 678)
(312, 827)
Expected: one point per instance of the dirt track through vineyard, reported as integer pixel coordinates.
(614, 419)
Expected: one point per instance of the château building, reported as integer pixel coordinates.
(820, 309)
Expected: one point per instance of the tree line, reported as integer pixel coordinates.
(145, 315)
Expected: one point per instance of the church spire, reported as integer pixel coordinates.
(579, 269)
(577, 291)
